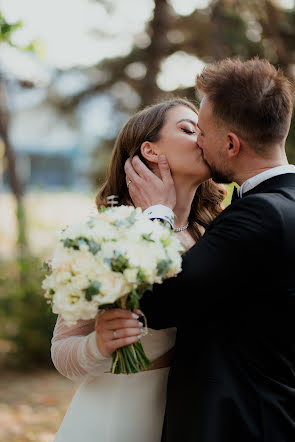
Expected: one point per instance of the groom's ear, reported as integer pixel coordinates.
(233, 144)
(149, 152)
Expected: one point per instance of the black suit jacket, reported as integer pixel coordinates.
(233, 378)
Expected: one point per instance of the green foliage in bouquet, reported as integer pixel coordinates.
(110, 261)
(26, 322)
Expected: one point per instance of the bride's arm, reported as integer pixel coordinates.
(84, 350)
(74, 350)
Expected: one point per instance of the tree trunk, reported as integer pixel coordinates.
(14, 181)
(157, 51)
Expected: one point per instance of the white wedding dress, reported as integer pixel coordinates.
(109, 407)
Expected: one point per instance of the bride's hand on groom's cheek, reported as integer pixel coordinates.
(116, 328)
(145, 188)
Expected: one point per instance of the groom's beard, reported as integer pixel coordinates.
(217, 175)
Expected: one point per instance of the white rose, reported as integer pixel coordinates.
(113, 286)
(82, 261)
(131, 275)
(103, 230)
(81, 282)
(108, 249)
(48, 282)
(63, 277)
(72, 305)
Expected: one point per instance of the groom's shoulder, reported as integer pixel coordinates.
(268, 203)
(255, 209)
(261, 203)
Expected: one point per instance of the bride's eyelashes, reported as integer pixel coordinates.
(187, 131)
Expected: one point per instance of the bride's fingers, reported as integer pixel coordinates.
(142, 170)
(130, 171)
(116, 328)
(122, 323)
(118, 343)
(112, 335)
(110, 340)
(165, 171)
(116, 313)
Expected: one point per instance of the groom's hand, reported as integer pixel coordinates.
(145, 188)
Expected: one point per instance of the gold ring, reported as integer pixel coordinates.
(129, 182)
(115, 334)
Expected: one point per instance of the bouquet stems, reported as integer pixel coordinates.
(131, 358)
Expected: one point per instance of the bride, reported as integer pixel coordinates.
(130, 408)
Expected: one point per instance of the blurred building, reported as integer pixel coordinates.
(47, 148)
(53, 148)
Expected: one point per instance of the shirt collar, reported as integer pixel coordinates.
(263, 176)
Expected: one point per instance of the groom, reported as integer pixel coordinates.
(233, 377)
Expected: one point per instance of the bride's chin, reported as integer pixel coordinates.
(194, 180)
(194, 177)
(202, 173)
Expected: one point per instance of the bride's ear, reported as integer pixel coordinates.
(149, 152)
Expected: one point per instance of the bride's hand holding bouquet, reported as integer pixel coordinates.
(110, 261)
(116, 328)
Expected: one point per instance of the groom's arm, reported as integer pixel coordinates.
(247, 229)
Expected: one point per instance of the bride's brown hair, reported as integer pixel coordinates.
(146, 125)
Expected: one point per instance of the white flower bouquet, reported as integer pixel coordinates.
(109, 261)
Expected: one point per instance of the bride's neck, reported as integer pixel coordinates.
(185, 192)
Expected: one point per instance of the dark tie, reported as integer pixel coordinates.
(235, 194)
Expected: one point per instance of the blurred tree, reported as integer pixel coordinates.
(6, 37)
(225, 28)
(6, 32)
(25, 324)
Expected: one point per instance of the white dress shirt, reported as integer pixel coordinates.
(252, 182)
(163, 212)
(160, 212)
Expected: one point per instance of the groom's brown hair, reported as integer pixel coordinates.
(252, 98)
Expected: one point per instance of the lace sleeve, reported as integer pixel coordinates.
(74, 351)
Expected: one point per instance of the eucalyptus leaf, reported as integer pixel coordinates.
(45, 266)
(119, 263)
(71, 243)
(147, 237)
(93, 289)
(94, 247)
(163, 267)
(131, 218)
(140, 275)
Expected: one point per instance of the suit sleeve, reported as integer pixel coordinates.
(246, 228)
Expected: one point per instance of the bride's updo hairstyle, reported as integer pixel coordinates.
(146, 125)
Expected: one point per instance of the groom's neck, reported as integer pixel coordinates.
(252, 165)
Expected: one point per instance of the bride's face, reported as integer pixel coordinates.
(178, 141)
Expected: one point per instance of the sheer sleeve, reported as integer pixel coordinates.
(74, 351)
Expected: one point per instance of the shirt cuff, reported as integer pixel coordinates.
(160, 212)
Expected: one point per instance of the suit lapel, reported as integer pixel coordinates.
(272, 185)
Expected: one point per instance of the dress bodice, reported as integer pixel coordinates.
(136, 403)
(158, 342)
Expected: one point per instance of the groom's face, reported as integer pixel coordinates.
(213, 140)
